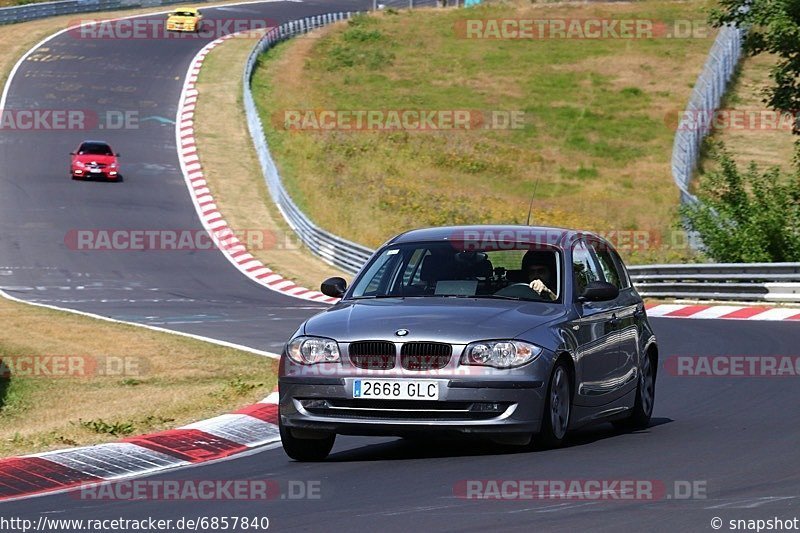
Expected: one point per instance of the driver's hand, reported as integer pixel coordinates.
(539, 286)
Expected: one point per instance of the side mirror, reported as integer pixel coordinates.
(117, 155)
(72, 153)
(334, 287)
(599, 291)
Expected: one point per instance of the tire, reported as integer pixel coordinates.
(305, 449)
(557, 409)
(645, 399)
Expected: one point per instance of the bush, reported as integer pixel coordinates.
(747, 217)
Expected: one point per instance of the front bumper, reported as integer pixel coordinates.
(104, 173)
(464, 406)
(181, 27)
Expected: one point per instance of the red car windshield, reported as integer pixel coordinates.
(95, 149)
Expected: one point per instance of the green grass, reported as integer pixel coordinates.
(594, 136)
(175, 380)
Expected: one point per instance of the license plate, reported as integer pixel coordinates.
(396, 389)
(95, 170)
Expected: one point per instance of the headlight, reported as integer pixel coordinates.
(79, 164)
(500, 354)
(312, 350)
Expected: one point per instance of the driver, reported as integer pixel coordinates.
(537, 267)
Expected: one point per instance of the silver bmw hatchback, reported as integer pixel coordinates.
(516, 333)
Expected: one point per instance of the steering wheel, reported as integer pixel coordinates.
(518, 290)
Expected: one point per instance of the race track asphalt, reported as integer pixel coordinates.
(197, 292)
(735, 438)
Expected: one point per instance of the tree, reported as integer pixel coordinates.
(774, 27)
(747, 217)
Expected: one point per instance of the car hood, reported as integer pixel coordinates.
(88, 158)
(452, 320)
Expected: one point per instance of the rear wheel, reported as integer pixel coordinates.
(557, 409)
(645, 398)
(315, 447)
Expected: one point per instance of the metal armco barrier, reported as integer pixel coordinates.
(755, 282)
(696, 120)
(342, 253)
(11, 15)
(744, 282)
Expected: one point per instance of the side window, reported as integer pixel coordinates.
(607, 264)
(584, 268)
(624, 278)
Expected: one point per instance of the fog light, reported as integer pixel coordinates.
(314, 404)
(486, 407)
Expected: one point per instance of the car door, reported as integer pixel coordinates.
(595, 332)
(627, 307)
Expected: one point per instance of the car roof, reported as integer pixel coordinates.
(186, 10)
(555, 236)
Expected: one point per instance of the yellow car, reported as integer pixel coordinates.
(184, 19)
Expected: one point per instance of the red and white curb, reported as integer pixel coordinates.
(212, 220)
(216, 438)
(733, 312)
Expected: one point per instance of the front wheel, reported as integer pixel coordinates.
(645, 399)
(308, 449)
(557, 409)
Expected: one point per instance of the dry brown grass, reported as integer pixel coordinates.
(767, 147)
(598, 142)
(232, 171)
(168, 381)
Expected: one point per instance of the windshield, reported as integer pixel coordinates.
(95, 149)
(444, 269)
(184, 14)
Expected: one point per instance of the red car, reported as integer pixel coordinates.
(94, 159)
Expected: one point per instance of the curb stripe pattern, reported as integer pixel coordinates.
(728, 312)
(213, 221)
(207, 440)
